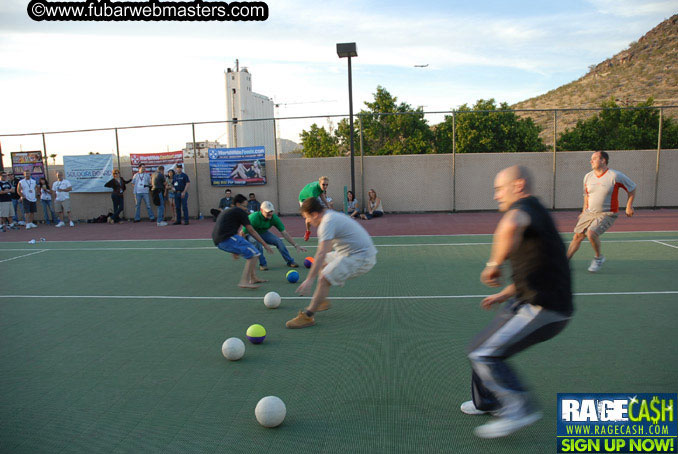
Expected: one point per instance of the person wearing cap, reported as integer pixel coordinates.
(225, 236)
(262, 221)
(180, 182)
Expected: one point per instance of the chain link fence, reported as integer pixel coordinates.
(439, 161)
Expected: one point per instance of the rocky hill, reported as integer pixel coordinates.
(647, 68)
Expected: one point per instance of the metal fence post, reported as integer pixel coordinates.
(117, 150)
(44, 150)
(659, 147)
(277, 179)
(195, 171)
(362, 164)
(553, 180)
(454, 162)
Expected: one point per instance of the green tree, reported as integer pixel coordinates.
(318, 142)
(620, 129)
(486, 129)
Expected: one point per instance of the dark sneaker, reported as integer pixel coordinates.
(323, 306)
(293, 265)
(186, 223)
(176, 223)
(300, 321)
(307, 235)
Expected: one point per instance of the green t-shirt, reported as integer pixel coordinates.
(310, 190)
(261, 224)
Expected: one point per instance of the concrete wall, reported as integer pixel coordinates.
(414, 183)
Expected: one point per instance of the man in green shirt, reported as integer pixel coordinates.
(315, 189)
(262, 221)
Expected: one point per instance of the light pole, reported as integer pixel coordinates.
(349, 50)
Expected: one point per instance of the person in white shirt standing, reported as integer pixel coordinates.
(27, 189)
(62, 199)
(142, 182)
(601, 204)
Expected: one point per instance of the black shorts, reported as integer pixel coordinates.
(30, 207)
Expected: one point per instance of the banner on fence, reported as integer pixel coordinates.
(28, 160)
(237, 166)
(88, 173)
(152, 160)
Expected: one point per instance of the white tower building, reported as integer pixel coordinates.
(242, 104)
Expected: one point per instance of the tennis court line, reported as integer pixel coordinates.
(315, 246)
(669, 245)
(21, 256)
(428, 297)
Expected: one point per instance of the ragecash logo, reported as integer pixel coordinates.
(605, 423)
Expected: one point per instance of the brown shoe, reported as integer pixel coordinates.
(324, 305)
(263, 268)
(300, 321)
(293, 265)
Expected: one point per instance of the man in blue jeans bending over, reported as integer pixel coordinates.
(225, 236)
(263, 220)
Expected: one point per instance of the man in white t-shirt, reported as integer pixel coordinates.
(354, 254)
(601, 204)
(142, 181)
(27, 189)
(62, 199)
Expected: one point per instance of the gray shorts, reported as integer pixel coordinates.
(62, 205)
(598, 223)
(6, 210)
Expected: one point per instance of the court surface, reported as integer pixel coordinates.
(115, 346)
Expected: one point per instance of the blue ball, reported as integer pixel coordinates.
(292, 276)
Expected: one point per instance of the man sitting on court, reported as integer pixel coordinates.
(225, 237)
(354, 254)
(262, 221)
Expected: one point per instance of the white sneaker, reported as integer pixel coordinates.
(60, 224)
(502, 427)
(29, 226)
(162, 224)
(34, 226)
(71, 224)
(22, 223)
(596, 263)
(469, 408)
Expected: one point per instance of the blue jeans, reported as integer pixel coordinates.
(47, 209)
(145, 197)
(273, 241)
(118, 206)
(161, 208)
(181, 203)
(16, 205)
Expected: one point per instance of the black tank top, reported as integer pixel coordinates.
(541, 271)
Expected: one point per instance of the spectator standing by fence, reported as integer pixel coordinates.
(46, 201)
(6, 209)
(142, 182)
(62, 199)
(158, 191)
(181, 183)
(29, 198)
(18, 216)
(118, 184)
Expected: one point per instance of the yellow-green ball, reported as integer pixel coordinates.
(256, 334)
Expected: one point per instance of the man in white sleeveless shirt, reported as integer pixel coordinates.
(601, 204)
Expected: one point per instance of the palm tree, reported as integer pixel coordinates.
(53, 156)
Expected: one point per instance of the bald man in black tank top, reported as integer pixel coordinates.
(538, 304)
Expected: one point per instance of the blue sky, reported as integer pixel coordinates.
(74, 75)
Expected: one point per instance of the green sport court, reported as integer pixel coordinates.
(115, 346)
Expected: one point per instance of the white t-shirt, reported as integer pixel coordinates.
(45, 194)
(28, 186)
(63, 184)
(140, 182)
(347, 236)
(603, 191)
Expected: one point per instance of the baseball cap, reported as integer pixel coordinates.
(180, 165)
(267, 206)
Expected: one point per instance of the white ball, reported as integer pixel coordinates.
(272, 300)
(233, 349)
(270, 411)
